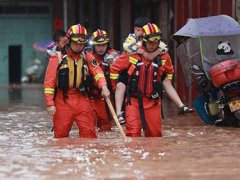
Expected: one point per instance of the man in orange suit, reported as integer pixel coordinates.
(144, 88)
(104, 56)
(65, 88)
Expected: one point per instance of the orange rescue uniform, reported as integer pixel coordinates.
(75, 106)
(152, 107)
(103, 116)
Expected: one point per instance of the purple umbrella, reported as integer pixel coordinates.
(43, 45)
(208, 26)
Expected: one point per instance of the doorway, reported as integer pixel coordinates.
(15, 63)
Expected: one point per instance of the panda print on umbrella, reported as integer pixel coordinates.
(224, 48)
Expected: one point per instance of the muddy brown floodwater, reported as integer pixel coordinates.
(188, 149)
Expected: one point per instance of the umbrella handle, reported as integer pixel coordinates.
(115, 118)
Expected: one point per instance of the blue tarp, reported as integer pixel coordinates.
(208, 26)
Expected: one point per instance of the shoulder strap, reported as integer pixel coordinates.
(157, 85)
(62, 61)
(59, 57)
(158, 61)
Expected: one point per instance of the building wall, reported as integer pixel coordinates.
(23, 27)
(236, 7)
(125, 20)
(117, 16)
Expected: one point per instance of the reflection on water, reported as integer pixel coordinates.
(188, 150)
(30, 94)
(15, 95)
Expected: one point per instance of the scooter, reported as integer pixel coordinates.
(208, 50)
(219, 100)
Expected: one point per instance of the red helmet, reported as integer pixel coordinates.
(77, 33)
(151, 32)
(100, 37)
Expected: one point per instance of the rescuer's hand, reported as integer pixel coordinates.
(154, 54)
(51, 110)
(105, 92)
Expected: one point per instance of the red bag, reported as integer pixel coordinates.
(225, 72)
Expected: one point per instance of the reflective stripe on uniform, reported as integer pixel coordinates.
(133, 60)
(99, 75)
(49, 91)
(114, 76)
(170, 76)
(164, 61)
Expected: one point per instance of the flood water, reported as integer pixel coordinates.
(188, 149)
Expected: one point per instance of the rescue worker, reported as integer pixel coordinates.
(104, 56)
(68, 77)
(133, 44)
(145, 85)
(60, 40)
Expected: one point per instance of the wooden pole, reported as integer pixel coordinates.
(115, 118)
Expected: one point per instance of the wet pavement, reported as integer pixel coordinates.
(188, 149)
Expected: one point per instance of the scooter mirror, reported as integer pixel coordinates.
(196, 67)
(196, 70)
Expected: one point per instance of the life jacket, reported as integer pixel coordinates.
(71, 74)
(94, 91)
(146, 78)
(145, 81)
